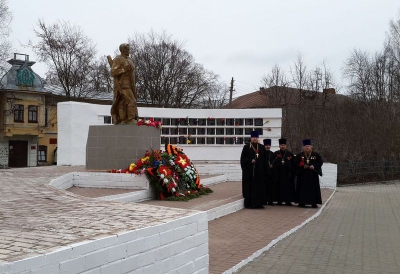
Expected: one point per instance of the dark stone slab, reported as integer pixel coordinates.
(117, 146)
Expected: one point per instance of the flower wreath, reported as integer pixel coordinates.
(170, 172)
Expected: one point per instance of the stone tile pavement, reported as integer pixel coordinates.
(37, 219)
(237, 236)
(358, 232)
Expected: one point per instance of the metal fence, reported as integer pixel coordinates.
(361, 172)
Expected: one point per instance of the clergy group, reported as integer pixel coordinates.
(280, 177)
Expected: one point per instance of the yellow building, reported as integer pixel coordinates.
(26, 126)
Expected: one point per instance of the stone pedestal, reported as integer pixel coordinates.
(117, 146)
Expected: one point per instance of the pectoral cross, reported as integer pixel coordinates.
(308, 161)
(257, 155)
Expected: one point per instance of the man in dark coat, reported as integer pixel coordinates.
(253, 182)
(269, 173)
(308, 167)
(284, 167)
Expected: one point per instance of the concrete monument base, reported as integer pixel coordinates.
(117, 146)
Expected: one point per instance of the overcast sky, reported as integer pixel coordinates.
(240, 39)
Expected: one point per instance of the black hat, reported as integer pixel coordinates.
(254, 133)
(306, 142)
(267, 142)
(282, 141)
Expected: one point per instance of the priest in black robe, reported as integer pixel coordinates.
(253, 171)
(271, 193)
(284, 167)
(308, 169)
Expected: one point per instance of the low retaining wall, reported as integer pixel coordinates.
(233, 171)
(101, 180)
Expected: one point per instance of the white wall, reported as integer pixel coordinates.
(74, 119)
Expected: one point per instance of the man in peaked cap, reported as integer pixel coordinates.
(284, 166)
(269, 172)
(252, 164)
(308, 166)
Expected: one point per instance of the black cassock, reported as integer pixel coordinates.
(253, 182)
(308, 188)
(284, 168)
(270, 176)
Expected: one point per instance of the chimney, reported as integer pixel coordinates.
(329, 91)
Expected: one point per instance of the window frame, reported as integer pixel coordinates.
(20, 112)
(33, 112)
(42, 149)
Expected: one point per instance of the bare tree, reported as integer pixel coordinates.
(70, 56)
(167, 75)
(216, 95)
(100, 76)
(5, 45)
(276, 82)
(299, 76)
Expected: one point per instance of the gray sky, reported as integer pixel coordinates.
(240, 39)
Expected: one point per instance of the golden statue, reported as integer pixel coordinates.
(124, 110)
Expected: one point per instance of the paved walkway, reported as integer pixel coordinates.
(37, 219)
(237, 236)
(358, 232)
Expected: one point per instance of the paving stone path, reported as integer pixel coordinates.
(358, 232)
(36, 218)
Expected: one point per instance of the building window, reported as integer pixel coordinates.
(19, 113)
(238, 122)
(182, 140)
(201, 131)
(230, 122)
(164, 140)
(249, 122)
(210, 140)
(220, 131)
(239, 131)
(247, 131)
(258, 122)
(192, 131)
(210, 131)
(174, 122)
(183, 130)
(53, 141)
(166, 122)
(201, 122)
(230, 131)
(107, 119)
(32, 114)
(42, 154)
(211, 122)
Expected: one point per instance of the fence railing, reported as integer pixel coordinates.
(361, 172)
